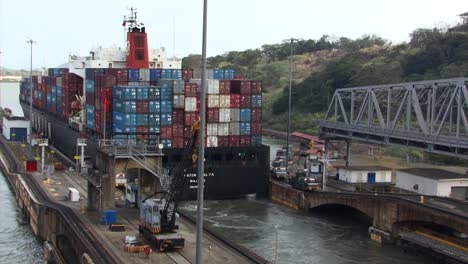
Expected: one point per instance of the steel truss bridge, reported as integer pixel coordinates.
(430, 115)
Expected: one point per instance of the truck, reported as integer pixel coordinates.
(158, 215)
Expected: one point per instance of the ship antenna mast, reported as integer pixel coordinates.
(131, 20)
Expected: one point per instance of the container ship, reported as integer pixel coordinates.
(139, 95)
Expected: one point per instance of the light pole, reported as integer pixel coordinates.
(201, 150)
(289, 105)
(30, 42)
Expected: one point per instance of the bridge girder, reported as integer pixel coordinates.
(431, 115)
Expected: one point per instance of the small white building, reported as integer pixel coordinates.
(365, 174)
(436, 182)
(16, 128)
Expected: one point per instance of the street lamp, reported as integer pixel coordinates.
(30, 42)
(289, 102)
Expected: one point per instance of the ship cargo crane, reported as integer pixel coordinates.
(158, 215)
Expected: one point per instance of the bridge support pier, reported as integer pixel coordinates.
(348, 152)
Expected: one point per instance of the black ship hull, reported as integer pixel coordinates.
(229, 171)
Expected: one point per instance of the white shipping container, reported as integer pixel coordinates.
(212, 129)
(73, 194)
(212, 142)
(213, 100)
(234, 128)
(224, 115)
(179, 101)
(235, 114)
(225, 101)
(190, 104)
(213, 86)
(145, 75)
(223, 129)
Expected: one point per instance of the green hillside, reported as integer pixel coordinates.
(323, 65)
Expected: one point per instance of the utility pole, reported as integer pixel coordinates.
(201, 150)
(289, 104)
(30, 42)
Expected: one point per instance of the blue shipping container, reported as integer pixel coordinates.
(176, 74)
(89, 111)
(167, 143)
(124, 119)
(229, 74)
(119, 128)
(90, 86)
(218, 74)
(154, 119)
(166, 93)
(166, 73)
(166, 106)
(154, 130)
(154, 106)
(256, 141)
(245, 128)
(245, 115)
(155, 74)
(90, 124)
(133, 75)
(142, 119)
(129, 93)
(256, 100)
(166, 119)
(142, 93)
(154, 93)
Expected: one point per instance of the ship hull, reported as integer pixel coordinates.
(230, 172)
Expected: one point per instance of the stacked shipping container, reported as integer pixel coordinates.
(54, 94)
(156, 105)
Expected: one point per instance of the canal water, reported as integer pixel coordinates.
(330, 236)
(17, 242)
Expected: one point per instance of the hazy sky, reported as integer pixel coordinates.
(61, 27)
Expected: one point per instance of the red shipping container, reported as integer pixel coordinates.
(256, 114)
(187, 74)
(224, 87)
(256, 129)
(104, 80)
(177, 142)
(187, 132)
(191, 89)
(233, 141)
(121, 75)
(223, 141)
(142, 107)
(245, 87)
(190, 118)
(257, 87)
(187, 142)
(246, 100)
(142, 138)
(178, 116)
(213, 115)
(177, 130)
(244, 141)
(166, 132)
(142, 129)
(235, 101)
